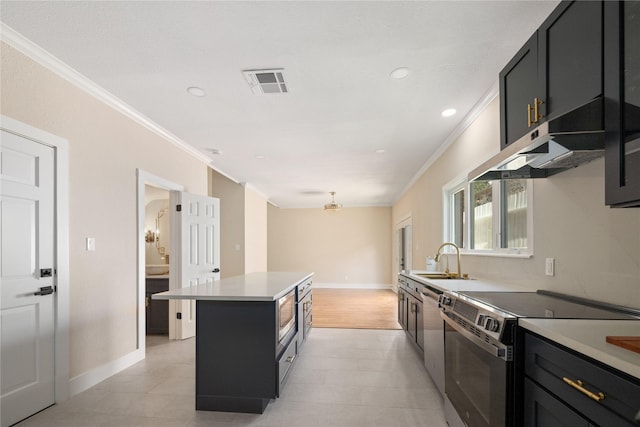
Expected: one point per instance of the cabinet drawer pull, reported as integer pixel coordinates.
(579, 385)
(529, 115)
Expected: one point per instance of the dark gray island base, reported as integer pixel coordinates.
(237, 355)
(247, 337)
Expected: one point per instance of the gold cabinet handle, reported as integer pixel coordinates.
(529, 115)
(146, 301)
(579, 385)
(536, 115)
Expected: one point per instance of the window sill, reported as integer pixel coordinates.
(497, 254)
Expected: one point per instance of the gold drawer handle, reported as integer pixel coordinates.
(529, 122)
(579, 385)
(537, 116)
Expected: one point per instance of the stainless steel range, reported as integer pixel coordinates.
(482, 351)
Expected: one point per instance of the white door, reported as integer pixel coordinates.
(198, 256)
(26, 269)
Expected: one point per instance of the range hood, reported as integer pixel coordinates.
(556, 145)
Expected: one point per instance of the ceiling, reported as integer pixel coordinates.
(342, 107)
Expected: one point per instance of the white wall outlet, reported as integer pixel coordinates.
(550, 267)
(91, 243)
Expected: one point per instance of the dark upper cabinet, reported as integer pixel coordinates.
(622, 103)
(518, 87)
(557, 70)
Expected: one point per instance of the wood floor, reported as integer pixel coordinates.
(355, 308)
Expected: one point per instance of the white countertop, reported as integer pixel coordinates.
(249, 287)
(589, 338)
(464, 285)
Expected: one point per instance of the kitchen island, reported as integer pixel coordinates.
(242, 355)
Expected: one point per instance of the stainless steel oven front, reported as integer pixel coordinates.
(286, 315)
(478, 362)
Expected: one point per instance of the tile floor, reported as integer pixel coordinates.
(343, 377)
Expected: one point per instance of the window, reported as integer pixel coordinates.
(498, 213)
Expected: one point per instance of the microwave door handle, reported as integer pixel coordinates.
(501, 352)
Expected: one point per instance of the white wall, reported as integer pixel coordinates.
(105, 149)
(597, 249)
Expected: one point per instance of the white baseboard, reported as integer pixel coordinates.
(352, 285)
(90, 378)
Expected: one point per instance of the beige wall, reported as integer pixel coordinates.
(243, 226)
(231, 195)
(346, 248)
(597, 249)
(255, 231)
(105, 148)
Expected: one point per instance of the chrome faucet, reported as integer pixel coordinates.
(437, 258)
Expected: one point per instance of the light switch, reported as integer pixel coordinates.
(91, 243)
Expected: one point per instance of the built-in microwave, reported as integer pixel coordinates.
(286, 306)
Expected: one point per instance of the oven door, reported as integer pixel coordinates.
(476, 377)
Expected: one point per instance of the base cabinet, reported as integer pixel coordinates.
(240, 366)
(564, 388)
(305, 312)
(402, 307)
(156, 311)
(410, 310)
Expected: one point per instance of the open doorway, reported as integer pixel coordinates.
(157, 237)
(148, 182)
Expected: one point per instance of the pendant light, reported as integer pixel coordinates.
(333, 206)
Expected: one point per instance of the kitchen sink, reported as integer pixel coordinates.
(443, 276)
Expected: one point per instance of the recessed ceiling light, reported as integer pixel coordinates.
(381, 151)
(448, 112)
(259, 156)
(196, 91)
(400, 73)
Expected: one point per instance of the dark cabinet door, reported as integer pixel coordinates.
(402, 308)
(542, 409)
(570, 57)
(518, 88)
(556, 71)
(622, 103)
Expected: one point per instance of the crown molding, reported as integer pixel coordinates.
(473, 114)
(53, 64)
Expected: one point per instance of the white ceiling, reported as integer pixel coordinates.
(342, 106)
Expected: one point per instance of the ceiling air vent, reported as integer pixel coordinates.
(266, 81)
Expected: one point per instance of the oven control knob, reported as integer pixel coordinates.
(446, 300)
(491, 324)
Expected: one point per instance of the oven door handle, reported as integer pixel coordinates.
(502, 352)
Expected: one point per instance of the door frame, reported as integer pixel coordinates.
(61, 244)
(147, 178)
